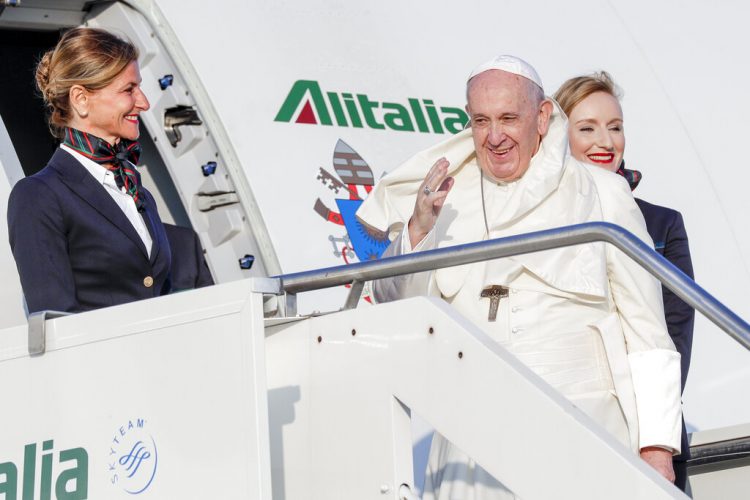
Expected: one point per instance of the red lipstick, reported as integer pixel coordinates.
(602, 157)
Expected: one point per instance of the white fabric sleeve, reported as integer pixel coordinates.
(654, 362)
(408, 285)
(653, 373)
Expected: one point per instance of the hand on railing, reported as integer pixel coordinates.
(660, 459)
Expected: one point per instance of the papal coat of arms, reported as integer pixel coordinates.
(352, 181)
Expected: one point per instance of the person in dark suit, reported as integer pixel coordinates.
(596, 135)
(84, 232)
(189, 269)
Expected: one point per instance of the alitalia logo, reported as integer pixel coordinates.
(67, 477)
(308, 103)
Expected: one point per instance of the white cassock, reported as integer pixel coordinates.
(586, 318)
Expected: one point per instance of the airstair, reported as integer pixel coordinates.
(200, 395)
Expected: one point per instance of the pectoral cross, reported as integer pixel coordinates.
(495, 293)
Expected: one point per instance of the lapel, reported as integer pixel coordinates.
(79, 181)
(151, 223)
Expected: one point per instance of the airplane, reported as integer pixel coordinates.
(270, 123)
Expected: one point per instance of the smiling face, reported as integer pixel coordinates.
(508, 120)
(596, 132)
(111, 112)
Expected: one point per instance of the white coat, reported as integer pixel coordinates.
(589, 300)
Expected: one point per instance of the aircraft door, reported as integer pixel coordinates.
(193, 171)
(12, 309)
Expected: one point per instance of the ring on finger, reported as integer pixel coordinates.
(427, 190)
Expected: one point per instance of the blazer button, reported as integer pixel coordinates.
(148, 281)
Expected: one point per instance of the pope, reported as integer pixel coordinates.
(586, 319)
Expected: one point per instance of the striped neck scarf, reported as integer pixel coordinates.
(119, 159)
(632, 176)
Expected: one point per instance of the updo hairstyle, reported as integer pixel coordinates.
(89, 57)
(575, 90)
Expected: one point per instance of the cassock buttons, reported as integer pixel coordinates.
(148, 281)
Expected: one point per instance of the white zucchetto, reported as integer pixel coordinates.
(510, 64)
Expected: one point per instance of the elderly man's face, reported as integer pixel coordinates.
(507, 123)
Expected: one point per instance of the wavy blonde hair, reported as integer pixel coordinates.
(89, 57)
(575, 90)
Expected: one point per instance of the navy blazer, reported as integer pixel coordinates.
(666, 228)
(189, 269)
(74, 247)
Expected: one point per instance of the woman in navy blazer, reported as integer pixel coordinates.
(597, 136)
(84, 233)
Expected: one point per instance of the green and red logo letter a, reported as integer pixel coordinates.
(307, 95)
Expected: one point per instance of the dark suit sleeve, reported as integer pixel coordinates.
(189, 269)
(36, 228)
(679, 315)
(204, 275)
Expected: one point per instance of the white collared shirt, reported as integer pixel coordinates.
(126, 202)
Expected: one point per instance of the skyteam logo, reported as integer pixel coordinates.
(133, 457)
(307, 103)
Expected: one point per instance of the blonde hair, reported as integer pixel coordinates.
(575, 90)
(89, 57)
